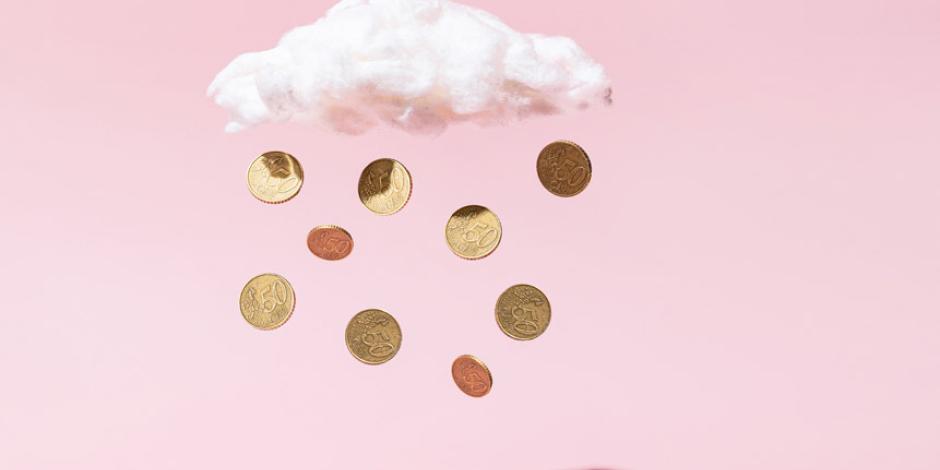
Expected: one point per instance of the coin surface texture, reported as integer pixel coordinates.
(473, 232)
(267, 301)
(385, 186)
(329, 242)
(373, 336)
(523, 312)
(564, 168)
(472, 376)
(275, 177)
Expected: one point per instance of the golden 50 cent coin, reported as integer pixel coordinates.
(275, 177)
(385, 186)
(564, 168)
(473, 232)
(523, 312)
(267, 301)
(329, 242)
(471, 376)
(373, 336)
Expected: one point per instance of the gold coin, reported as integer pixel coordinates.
(267, 301)
(473, 232)
(373, 336)
(564, 168)
(523, 312)
(471, 376)
(275, 177)
(385, 186)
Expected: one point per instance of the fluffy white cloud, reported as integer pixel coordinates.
(416, 64)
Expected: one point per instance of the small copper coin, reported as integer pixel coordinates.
(329, 242)
(564, 168)
(471, 376)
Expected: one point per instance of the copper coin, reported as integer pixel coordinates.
(564, 168)
(472, 376)
(329, 242)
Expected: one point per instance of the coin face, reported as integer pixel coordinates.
(267, 301)
(473, 232)
(329, 242)
(523, 312)
(564, 168)
(385, 186)
(472, 376)
(275, 177)
(373, 336)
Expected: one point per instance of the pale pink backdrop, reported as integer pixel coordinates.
(749, 282)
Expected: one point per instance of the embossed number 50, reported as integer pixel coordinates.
(570, 171)
(525, 321)
(279, 291)
(336, 245)
(478, 233)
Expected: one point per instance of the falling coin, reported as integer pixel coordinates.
(275, 177)
(473, 232)
(267, 301)
(373, 336)
(523, 312)
(564, 168)
(385, 186)
(472, 376)
(329, 242)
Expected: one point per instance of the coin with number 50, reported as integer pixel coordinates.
(329, 242)
(267, 301)
(385, 186)
(564, 168)
(471, 376)
(523, 312)
(373, 336)
(275, 177)
(473, 232)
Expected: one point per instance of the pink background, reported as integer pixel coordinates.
(749, 282)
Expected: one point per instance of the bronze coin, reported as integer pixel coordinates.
(564, 168)
(329, 242)
(472, 376)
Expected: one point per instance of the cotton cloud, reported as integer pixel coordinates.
(415, 64)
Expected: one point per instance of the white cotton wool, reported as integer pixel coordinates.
(415, 64)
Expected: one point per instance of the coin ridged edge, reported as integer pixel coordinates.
(587, 158)
(411, 187)
(480, 363)
(517, 338)
(296, 193)
(500, 240)
(353, 354)
(290, 313)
